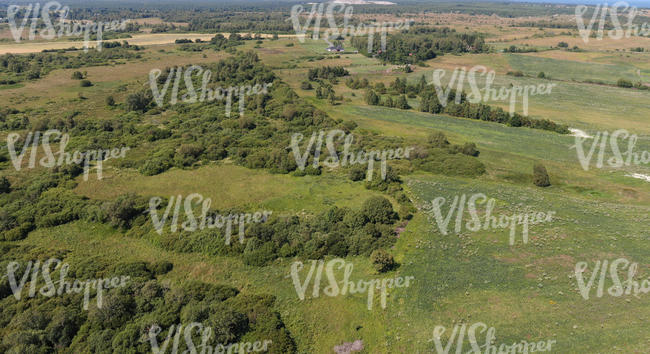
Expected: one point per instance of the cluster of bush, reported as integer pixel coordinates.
(355, 83)
(430, 102)
(49, 324)
(515, 49)
(336, 232)
(419, 44)
(375, 100)
(629, 84)
(327, 73)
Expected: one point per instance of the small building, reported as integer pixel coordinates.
(336, 49)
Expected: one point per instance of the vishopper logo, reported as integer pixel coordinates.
(489, 94)
(618, 288)
(490, 221)
(318, 10)
(65, 27)
(206, 220)
(205, 334)
(347, 286)
(64, 158)
(460, 331)
(601, 12)
(206, 94)
(50, 289)
(349, 158)
(619, 159)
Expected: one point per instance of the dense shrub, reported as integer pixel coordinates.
(125, 209)
(540, 176)
(624, 83)
(326, 72)
(430, 102)
(5, 186)
(419, 44)
(139, 101)
(382, 260)
(378, 210)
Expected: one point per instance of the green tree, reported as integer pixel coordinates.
(402, 103)
(5, 186)
(624, 83)
(306, 85)
(378, 210)
(540, 176)
(372, 98)
(138, 101)
(382, 260)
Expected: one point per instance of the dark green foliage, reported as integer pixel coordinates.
(356, 84)
(469, 149)
(58, 206)
(306, 85)
(139, 101)
(372, 98)
(430, 102)
(515, 49)
(517, 73)
(337, 232)
(357, 172)
(402, 103)
(540, 176)
(160, 268)
(125, 209)
(420, 44)
(378, 210)
(443, 162)
(326, 72)
(5, 186)
(85, 83)
(77, 75)
(438, 140)
(42, 323)
(624, 83)
(382, 260)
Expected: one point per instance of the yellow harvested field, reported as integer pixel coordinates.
(137, 39)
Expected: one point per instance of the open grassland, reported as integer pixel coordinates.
(509, 152)
(230, 186)
(526, 291)
(581, 71)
